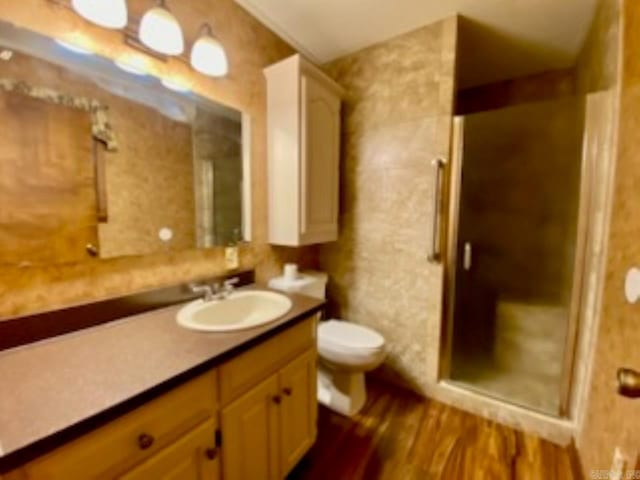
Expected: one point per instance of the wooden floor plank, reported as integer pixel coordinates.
(402, 436)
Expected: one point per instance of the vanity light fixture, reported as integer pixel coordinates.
(207, 54)
(160, 30)
(73, 48)
(131, 66)
(174, 85)
(106, 13)
(159, 35)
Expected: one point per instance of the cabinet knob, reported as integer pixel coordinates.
(211, 453)
(145, 441)
(628, 383)
(92, 250)
(277, 399)
(287, 391)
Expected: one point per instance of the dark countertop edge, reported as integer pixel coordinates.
(20, 457)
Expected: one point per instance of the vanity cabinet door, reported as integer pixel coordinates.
(250, 434)
(193, 457)
(298, 413)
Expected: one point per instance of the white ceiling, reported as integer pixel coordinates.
(503, 39)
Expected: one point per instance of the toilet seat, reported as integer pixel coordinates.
(340, 335)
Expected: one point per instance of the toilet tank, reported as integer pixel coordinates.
(313, 284)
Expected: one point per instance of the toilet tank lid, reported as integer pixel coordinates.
(304, 281)
(350, 335)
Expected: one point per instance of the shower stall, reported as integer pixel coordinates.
(516, 249)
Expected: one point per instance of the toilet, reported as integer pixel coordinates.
(346, 350)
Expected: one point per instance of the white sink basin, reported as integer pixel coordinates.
(239, 311)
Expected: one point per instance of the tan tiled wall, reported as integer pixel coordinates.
(611, 420)
(250, 47)
(397, 117)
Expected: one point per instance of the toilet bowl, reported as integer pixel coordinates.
(346, 352)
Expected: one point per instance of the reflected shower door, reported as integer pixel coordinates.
(515, 250)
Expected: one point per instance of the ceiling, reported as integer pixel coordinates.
(500, 39)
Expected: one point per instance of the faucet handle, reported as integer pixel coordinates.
(201, 289)
(230, 282)
(228, 286)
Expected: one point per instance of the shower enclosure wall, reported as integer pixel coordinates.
(515, 252)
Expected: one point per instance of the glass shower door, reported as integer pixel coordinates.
(518, 203)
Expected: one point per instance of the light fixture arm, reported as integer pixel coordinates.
(206, 29)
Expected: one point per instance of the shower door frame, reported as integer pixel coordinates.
(452, 193)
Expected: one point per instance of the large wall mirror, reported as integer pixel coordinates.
(101, 160)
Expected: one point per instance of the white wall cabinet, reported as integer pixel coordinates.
(303, 123)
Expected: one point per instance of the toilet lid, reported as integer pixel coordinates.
(349, 335)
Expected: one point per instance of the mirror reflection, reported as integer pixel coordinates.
(98, 159)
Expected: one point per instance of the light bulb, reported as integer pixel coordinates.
(174, 85)
(73, 47)
(106, 13)
(208, 55)
(160, 31)
(133, 66)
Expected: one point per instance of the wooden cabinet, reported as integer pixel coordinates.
(250, 427)
(303, 116)
(248, 369)
(298, 412)
(266, 424)
(275, 421)
(193, 457)
(117, 447)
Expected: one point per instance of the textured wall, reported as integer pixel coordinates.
(532, 88)
(612, 420)
(397, 117)
(250, 47)
(597, 65)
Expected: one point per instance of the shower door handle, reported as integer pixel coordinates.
(467, 256)
(435, 255)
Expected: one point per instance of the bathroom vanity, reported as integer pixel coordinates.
(143, 398)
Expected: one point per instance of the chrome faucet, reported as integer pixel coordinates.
(228, 287)
(204, 289)
(215, 291)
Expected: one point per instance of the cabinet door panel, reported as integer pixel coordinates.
(186, 459)
(320, 155)
(298, 415)
(250, 435)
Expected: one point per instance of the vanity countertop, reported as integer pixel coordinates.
(56, 385)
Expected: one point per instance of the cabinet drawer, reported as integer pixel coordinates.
(118, 446)
(193, 457)
(250, 368)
